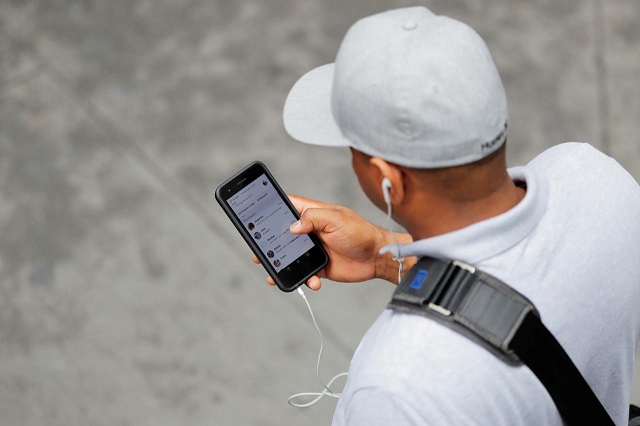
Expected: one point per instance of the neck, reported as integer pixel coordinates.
(441, 216)
(445, 200)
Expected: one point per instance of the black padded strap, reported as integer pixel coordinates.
(505, 322)
(634, 415)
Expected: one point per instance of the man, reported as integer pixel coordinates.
(418, 100)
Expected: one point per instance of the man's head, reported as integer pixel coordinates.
(409, 88)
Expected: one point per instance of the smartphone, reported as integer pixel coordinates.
(262, 213)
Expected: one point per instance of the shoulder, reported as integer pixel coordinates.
(582, 169)
(583, 158)
(569, 153)
(415, 371)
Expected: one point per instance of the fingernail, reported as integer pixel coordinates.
(314, 284)
(295, 226)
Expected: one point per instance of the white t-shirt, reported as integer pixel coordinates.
(572, 246)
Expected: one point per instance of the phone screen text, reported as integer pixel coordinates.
(267, 218)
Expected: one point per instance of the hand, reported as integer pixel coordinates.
(351, 241)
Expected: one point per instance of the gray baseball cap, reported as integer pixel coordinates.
(411, 87)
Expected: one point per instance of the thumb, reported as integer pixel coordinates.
(313, 220)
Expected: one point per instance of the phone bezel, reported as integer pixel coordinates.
(302, 268)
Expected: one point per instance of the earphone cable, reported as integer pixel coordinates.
(326, 391)
(398, 258)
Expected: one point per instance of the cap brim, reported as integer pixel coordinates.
(307, 112)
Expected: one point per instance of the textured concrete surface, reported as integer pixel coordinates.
(125, 295)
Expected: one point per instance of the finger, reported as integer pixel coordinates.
(314, 219)
(301, 203)
(270, 281)
(314, 283)
(255, 259)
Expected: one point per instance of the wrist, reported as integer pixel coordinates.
(385, 267)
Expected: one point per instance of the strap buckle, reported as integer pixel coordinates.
(456, 294)
(440, 286)
(462, 266)
(439, 309)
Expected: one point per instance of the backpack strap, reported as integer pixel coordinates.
(503, 321)
(634, 415)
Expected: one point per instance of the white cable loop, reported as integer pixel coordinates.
(318, 395)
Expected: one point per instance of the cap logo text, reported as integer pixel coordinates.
(488, 145)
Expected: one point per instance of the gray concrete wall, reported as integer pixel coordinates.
(125, 295)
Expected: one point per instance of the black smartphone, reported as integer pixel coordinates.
(262, 213)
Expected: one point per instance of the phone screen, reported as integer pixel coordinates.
(267, 219)
(262, 213)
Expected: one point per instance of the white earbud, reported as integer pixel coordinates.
(386, 186)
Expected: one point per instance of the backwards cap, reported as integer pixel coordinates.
(411, 87)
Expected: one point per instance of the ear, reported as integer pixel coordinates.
(384, 169)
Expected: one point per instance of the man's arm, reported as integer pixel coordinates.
(387, 268)
(352, 242)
